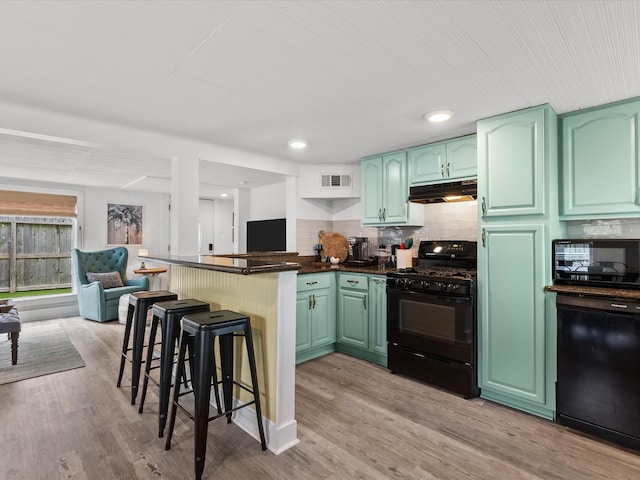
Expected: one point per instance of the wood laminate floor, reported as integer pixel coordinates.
(355, 421)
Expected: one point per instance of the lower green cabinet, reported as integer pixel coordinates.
(361, 320)
(315, 315)
(344, 312)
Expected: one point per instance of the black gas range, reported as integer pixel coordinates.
(431, 317)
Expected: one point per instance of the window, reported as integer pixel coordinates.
(36, 237)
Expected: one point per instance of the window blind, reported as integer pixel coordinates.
(39, 204)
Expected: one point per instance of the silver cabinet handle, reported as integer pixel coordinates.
(309, 306)
(314, 301)
(380, 214)
(364, 302)
(384, 214)
(484, 206)
(312, 283)
(484, 237)
(442, 170)
(353, 281)
(448, 168)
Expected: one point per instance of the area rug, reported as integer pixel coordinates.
(42, 349)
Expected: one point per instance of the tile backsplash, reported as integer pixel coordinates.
(609, 228)
(442, 221)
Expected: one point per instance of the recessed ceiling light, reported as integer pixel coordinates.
(224, 194)
(298, 144)
(439, 116)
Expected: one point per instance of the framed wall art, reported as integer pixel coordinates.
(124, 224)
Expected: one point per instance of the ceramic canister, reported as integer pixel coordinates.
(404, 258)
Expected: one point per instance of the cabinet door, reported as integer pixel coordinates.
(395, 190)
(372, 190)
(427, 164)
(511, 163)
(512, 312)
(462, 158)
(323, 319)
(378, 314)
(353, 318)
(303, 321)
(600, 161)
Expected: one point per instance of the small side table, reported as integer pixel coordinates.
(152, 273)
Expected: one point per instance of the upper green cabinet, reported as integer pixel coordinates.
(385, 191)
(438, 162)
(511, 162)
(600, 164)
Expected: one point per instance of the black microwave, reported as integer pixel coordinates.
(613, 263)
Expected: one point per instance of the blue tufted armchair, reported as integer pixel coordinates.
(94, 300)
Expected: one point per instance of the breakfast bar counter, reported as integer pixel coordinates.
(265, 290)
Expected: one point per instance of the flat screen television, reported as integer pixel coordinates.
(267, 235)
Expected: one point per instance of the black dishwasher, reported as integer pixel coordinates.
(598, 384)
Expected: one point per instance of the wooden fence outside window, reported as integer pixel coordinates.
(35, 253)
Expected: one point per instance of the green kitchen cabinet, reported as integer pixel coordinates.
(515, 360)
(385, 191)
(315, 315)
(600, 161)
(378, 318)
(361, 325)
(518, 219)
(512, 169)
(444, 161)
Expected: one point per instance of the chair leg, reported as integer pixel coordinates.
(170, 336)
(125, 343)
(226, 360)
(147, 366)
(176, 389)
(14, 347)
(248, 338)
(203, 349)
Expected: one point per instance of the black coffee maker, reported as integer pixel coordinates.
(359, 251)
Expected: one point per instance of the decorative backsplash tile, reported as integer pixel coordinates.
(609, 228)
(443, 221)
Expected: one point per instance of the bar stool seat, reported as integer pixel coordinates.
(168, 316)
(199, 331)
(139, 303)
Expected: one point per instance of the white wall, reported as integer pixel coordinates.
(268, 202)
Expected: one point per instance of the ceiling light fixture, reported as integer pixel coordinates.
(224, 194)
(439, 116)
(298, 144)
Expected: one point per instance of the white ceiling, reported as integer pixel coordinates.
(354, 78)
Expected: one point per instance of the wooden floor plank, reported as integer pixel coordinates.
(355, 421)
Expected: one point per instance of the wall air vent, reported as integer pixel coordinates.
(333, 181)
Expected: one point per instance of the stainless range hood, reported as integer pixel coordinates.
(461, 191)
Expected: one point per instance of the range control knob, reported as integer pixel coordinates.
(440, 285)
(424, 284)
(406, 283)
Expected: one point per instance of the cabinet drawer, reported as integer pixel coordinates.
(314, 281)
(354, 282)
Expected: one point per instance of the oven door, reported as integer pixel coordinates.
(438, 324)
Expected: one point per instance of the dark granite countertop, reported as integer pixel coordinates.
(244, 265)
(319, 267)
(595, 291)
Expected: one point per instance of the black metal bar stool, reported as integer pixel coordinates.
(168, 315)
(200, 330)
(139, 303)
